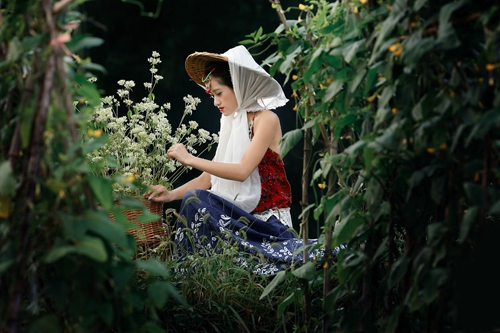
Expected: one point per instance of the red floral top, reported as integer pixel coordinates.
(276, 191)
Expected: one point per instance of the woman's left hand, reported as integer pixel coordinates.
(179, 152)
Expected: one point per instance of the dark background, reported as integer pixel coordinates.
(180, 29)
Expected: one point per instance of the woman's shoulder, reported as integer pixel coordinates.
(268, 116)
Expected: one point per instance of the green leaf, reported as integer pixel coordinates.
(346, 229)
(468, 220)
(419, 4)
(397, 272)
(91, 247)
(278, 278)
(7, 180)
(95, 144)
(352, 48)
(288, 141)
(158, 293)
(392, 323)
(88, 90)
(333, 89)
(4, 265)
(475, 193)
(153, 266)
(100, 223)
(307, 271)
(283, 305)
(447, 38)
(84, 42)
(102, 190)
(354, 83)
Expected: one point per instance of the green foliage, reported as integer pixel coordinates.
(401, 99)
(64, 265)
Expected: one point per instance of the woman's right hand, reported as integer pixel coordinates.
(159, 193)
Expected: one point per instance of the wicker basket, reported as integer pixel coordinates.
(147, 233)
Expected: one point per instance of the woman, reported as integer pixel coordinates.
(243, 196)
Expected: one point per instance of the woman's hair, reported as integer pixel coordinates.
(220, 71)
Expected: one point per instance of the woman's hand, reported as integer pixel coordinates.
(159, 193)
(179, 152)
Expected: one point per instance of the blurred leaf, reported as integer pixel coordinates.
(283, 305)
(102, 190)
(346, 229)
(333, 89)
(468, 220)
(153, 266)
(7, 180)
(289, 140)
(419, 4)
(447, 38)
(397, 272)
(352, 48)
(278, 278)
(475, 193)
(306, 271)
(91, 247)
(84, 42)
(5, 264)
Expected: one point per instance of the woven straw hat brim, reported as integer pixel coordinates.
(196, 63)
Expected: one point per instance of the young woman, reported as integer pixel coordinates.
(243, 195)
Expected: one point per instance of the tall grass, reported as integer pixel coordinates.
(222, 295)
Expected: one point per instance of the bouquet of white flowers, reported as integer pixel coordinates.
(135, 152)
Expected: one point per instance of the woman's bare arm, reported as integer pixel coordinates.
(264, 136)
(161, 194)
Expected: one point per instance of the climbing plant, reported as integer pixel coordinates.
(64, 266)
(398, 109)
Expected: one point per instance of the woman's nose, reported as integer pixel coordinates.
(216, 101)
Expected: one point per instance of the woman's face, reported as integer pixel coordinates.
(224, 97)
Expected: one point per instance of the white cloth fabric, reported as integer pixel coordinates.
(255, 90)
(282, 214)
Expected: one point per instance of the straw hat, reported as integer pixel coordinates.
(196, 63)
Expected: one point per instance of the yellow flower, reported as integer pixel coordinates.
(452, 94)
(490, 67)
(321, 86)
(394, 110)
(130, 178)
(322, 185)
(302, 7)
(329, 80)
(62, 194)
(295, 77)
(325, 265)
(295, 108)
(294, 94)
(431, 150)
(396, 48)
(371, 98)
(443, 146)
(355, 11)
(94, 133)
(476, 177)
(363, 1)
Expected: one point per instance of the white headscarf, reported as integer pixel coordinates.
(255, 90)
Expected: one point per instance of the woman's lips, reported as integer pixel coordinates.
(221, 109)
